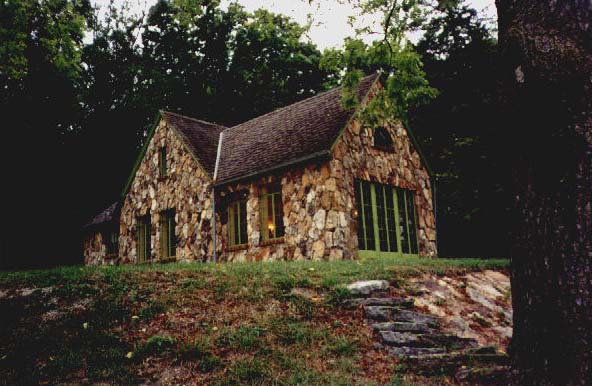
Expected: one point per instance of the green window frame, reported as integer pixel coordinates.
(168, 240)
(237, 223)
(386, 219)
(272, 214)
(143, 238)
(111, 242)
(162, 162)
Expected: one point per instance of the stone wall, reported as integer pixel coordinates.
(356, 158)
(313, 224)
(95, 249)
(185, 189)
(320, 212)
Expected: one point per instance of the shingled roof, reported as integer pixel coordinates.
(284, 136)
(108, 215)
(298, 132)
(201, 137)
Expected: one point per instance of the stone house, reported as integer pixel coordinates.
(306, 181)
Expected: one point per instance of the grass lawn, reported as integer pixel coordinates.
(200, 323)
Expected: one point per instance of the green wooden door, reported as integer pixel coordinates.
(387, 223)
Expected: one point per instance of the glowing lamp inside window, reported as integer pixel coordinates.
(270, 226)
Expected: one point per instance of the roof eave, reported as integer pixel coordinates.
(142, 153)
(320, 155)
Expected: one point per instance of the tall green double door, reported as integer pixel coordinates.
(387, 224)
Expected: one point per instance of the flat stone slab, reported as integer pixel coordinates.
(451, 342)
(366, 287)
(450, 362)
(414, 352)
(414, 317)
(379, 313)
(390, 302)
(400, 339)
(401, 327)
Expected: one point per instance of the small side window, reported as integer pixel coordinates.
(383, 140)
(162, 162)
(143, 238)
(272, 216)
(237, 223)
(168, 240)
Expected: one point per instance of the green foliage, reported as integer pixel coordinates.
(153, 308)
(289, 332)
(95, 343)
(199, 352)
(250, 372)
(405, 84)
(341, 346)
(459, 132)
(337, 295)
(67, 98)
(304, 307)
(156, 345)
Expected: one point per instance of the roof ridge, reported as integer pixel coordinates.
(194, 119)
(297, 103)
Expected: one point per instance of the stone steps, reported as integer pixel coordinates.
(406, 303)
(416, 338)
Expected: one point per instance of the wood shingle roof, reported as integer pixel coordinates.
(298, 132)
(201, 137)
(291, 133)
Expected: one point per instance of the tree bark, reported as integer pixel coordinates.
(546, 100)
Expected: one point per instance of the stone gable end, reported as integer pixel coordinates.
(185, 189)
(319, 205)
(355, 156)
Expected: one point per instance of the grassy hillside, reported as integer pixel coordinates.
(201, 323)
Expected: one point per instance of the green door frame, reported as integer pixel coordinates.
(376, 252)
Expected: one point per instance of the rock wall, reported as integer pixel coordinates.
(313, 224)
(354, 157)
(95, 249)
(184, 189)
(320, 212)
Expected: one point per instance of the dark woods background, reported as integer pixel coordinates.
(79, 91)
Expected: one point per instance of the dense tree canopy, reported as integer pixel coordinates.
(79, 112)
(460, 130)
(79, 108)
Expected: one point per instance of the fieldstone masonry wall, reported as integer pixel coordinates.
(355, 157)
(313, 224)
(320, 215)
(320, 212)
(95, 250)
(184, 189)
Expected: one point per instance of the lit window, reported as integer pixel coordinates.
(272, 214)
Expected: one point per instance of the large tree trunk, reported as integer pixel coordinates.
(546, 50)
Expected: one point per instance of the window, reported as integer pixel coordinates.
(168, 241)
(237, 223)
(365, 215)
(407, 223)
(143, 238)
(386, 218)
(382, 139)
(272, 213)
(162, 162)
(112, 242)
